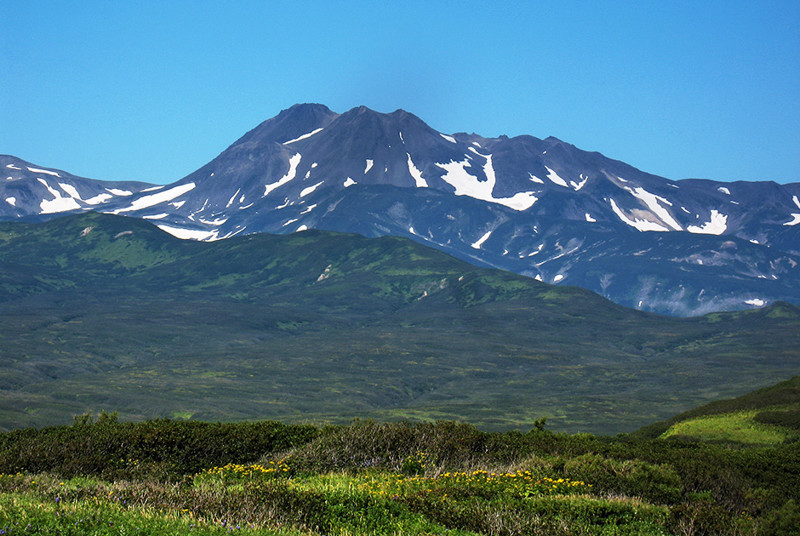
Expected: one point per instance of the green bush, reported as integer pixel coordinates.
(367, 444)
(789, 418)
(634, 478)
(161, 448)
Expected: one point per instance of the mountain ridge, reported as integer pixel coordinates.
(542, 208)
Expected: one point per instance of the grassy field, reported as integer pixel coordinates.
(375, 502)
(740, 427)
(767, 416)
(103, 477)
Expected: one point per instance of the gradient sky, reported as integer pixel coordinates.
(153, 90)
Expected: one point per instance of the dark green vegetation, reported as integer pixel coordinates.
(103, 312)
(101, 476)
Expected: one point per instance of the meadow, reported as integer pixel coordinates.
(101, 476)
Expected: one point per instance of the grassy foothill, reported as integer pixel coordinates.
(741, 427)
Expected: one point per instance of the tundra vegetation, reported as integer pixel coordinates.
(96, 308)
(106, 312)
(101, 476)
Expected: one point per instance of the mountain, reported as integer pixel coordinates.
(540, 208)
(108, 312)
(29, 191)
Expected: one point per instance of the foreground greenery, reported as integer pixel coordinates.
(100, 476)
(105, 312)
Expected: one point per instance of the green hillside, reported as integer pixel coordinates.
(104, 312)
(766, 416)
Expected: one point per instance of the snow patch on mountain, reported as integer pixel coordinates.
(304, 136)
(232, 199)
(488, 169)
(795, 220)
(457, 176)
(45, 171)
(12, 166)
(554, 178)
(98, 199)
(416, 173)
(310, 189)
(370, 163)
(519, 201)
(578, 185)
(117, 192)
(154, 199)
(479, 242)
(796, 201)
(58, 203)
(218, 221)
(758, 302)
(11, 201)
(349, 182)
(294, 161)
(536, 252)
(653, 202)
(451, 139)
(716, 225)
(724, 190)
(536, 179)
(639, 224)
(71, 190)
(189, 234)
(590, 219)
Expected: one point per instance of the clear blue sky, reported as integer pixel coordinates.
(152, 90)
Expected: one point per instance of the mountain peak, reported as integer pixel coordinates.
(295, 121)
(543, 208)
(306, 108)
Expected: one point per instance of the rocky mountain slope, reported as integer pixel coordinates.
(541, 208)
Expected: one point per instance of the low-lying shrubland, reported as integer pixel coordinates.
(100, 476)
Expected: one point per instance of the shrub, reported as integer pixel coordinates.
(161, 448)
(789, 419)
(657, 483)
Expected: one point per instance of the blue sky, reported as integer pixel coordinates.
(153, 90)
